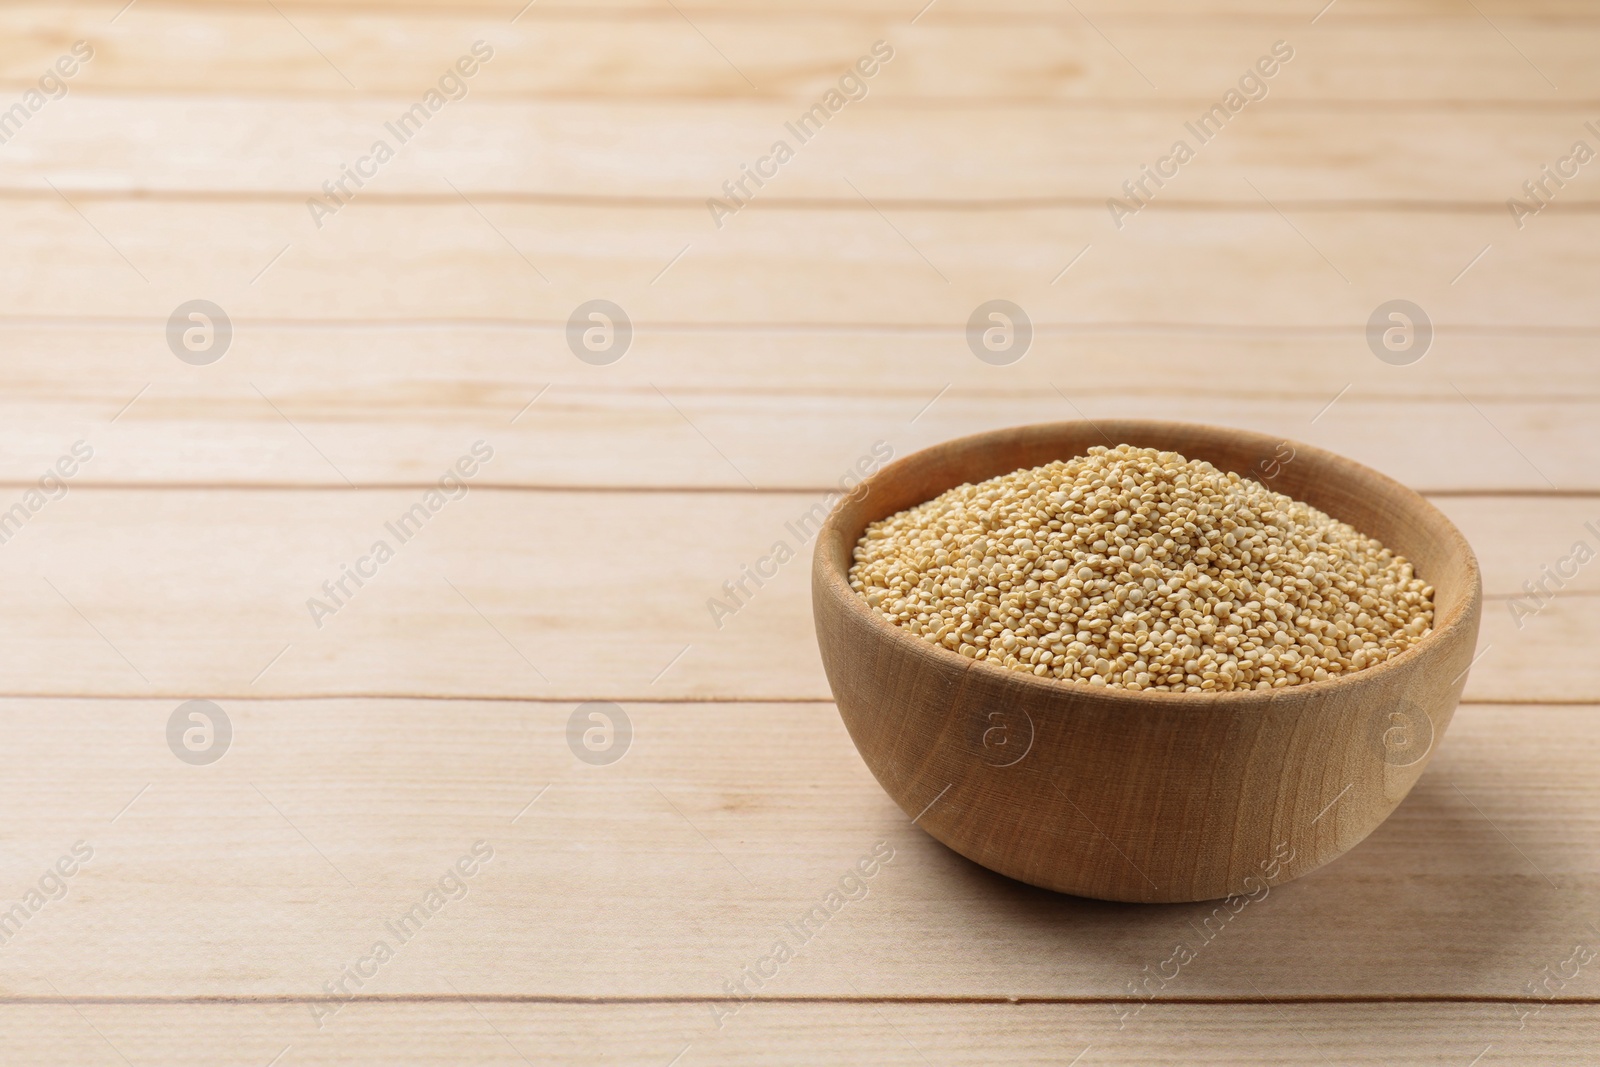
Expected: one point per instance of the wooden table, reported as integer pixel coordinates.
(228, 911)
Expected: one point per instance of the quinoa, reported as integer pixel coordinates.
(1141, 569)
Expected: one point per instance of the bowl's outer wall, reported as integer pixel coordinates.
(1144, 796)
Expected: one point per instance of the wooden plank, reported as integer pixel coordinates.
(666, 872)
(971, 57)
(836, 266)
(907, 154)
(303, 432)
(549, 595)
(914, 1035)
(330, 372)
(1515, 548)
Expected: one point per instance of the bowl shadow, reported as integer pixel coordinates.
(1436, 901)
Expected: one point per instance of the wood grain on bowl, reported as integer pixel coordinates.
(1145, 796)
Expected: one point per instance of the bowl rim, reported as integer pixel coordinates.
(1443, 631)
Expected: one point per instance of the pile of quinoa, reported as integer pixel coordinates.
(1141, 569)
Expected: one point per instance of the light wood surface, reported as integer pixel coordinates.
(426, 714)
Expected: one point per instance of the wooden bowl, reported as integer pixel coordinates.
(1144, 796)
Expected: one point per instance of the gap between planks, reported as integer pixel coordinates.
(1580, 107)
(953, 205)
(643, 10)
(624, 490)
(1514, 331)
(821, 998)
(642, 699)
